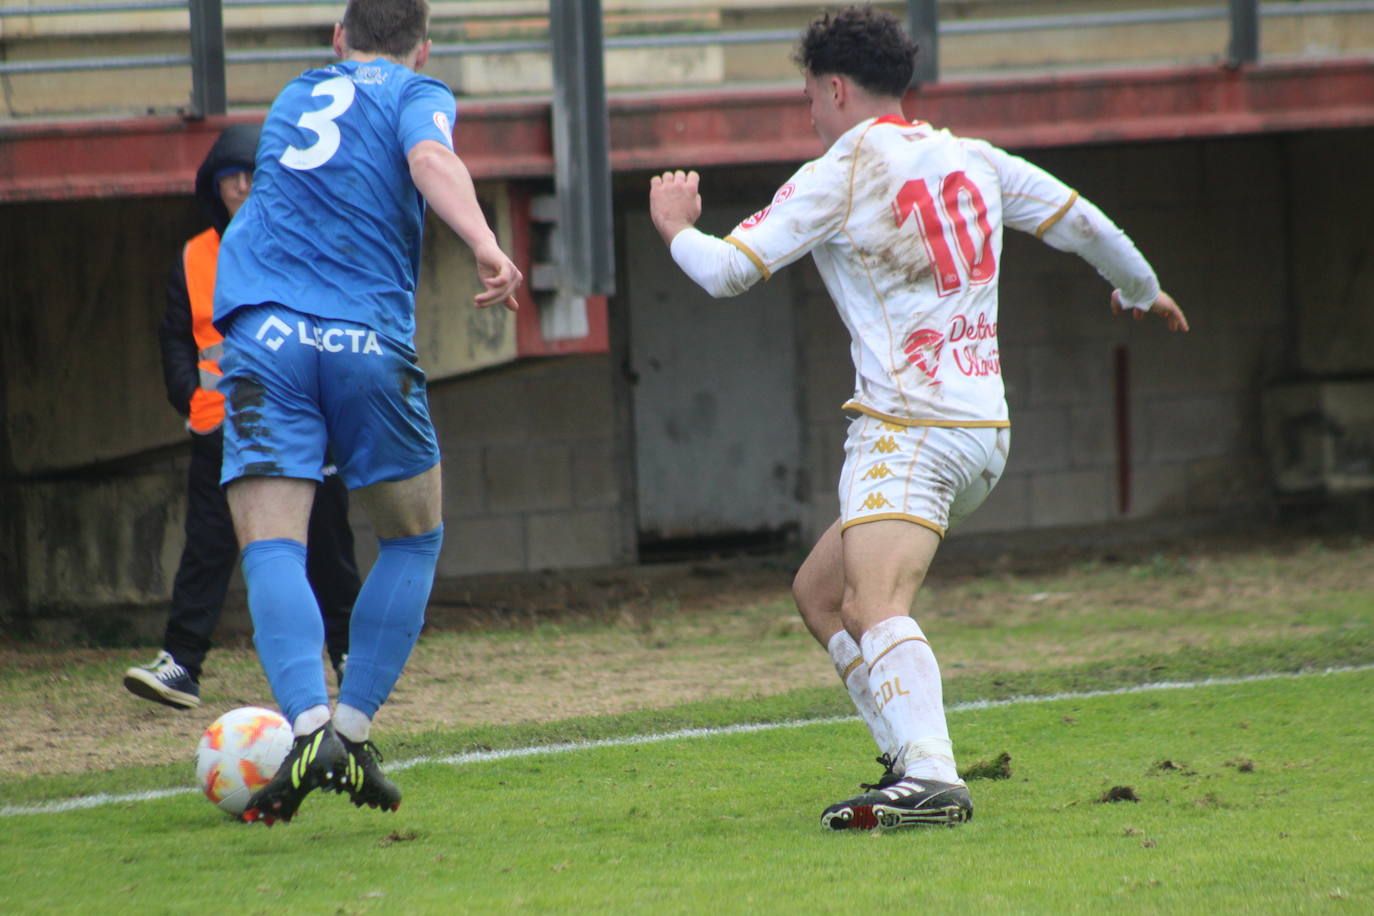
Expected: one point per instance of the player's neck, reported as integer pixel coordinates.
(880, 108)
(367, 57)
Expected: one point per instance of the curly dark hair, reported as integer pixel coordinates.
(392, 28)
(862, 43)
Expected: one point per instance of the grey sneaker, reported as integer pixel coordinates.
(164, 681)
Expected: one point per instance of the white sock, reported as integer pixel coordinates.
(849, 665)
(352, 723)
(310, 720)
(904, 680)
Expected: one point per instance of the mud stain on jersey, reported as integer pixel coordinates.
(1083, 227)
(895, 249)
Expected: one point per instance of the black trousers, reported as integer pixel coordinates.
(211, 552)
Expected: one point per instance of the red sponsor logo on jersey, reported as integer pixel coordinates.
(923, 350)
(961, 327)
(758, 216)
(973, 358)
(783, 193)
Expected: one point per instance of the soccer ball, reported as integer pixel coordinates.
(239, 753)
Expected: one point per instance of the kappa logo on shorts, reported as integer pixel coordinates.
(274, 332)
(886, 446)
(879, 471)
(876, 501)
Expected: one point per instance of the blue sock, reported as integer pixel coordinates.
(287, 628)
(387, 618)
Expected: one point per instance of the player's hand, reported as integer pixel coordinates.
(674, 203)
(1164, 306)
(499, 275)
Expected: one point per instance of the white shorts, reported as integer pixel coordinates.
(934, 476)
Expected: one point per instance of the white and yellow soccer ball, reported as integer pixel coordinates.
(239, 754)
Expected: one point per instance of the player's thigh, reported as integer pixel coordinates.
(885, 564)
(375, 402)
(273, 425)
(404, 508)
(270, 507)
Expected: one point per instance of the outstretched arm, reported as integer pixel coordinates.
(713, 264)
(1087, 232)
(444, 181)
(1035, 201)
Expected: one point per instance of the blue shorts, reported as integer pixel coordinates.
(295, 385)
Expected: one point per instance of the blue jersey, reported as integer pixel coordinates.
(334, 223)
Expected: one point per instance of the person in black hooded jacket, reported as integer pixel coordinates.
(190, 352)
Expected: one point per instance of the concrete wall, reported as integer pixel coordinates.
(92, 458)
(534, 477)
(1261, 240)
(163, 33)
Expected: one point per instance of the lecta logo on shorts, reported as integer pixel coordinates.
(274, 332)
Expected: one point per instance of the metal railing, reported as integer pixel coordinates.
(208, 57)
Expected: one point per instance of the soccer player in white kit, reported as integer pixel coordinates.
(905, 225)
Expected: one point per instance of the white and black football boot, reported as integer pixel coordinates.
(907, 802)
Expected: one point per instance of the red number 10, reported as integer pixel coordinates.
(979, 261)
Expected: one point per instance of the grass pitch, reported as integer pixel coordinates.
(1248, 796)
(1241, 796)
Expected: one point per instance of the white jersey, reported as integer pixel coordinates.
(905, 224)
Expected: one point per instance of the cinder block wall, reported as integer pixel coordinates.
(533, 478)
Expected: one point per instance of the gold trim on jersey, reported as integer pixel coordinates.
(897, 517)
(909, 421)
(1048, 224)
(749, 253)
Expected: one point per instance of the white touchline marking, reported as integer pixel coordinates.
(92, 801)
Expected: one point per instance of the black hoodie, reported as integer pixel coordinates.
(236, 147)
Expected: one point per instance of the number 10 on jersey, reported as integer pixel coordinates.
(940, 217)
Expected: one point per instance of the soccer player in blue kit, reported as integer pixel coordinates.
(316, 300)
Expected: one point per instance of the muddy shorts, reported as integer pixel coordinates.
(930, 475)
(297, 384)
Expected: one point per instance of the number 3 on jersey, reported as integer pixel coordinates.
(957, 190)
(321, 123)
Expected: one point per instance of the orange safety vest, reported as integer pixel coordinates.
(200, 257)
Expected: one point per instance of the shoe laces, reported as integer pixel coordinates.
(367, 747)
(166, 668)
(888, 771)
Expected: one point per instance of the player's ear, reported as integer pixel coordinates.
(839, 89)
(340, 41)
(422, 55)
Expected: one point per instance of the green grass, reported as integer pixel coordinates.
(1254, 797)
